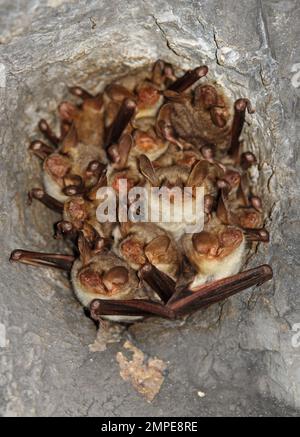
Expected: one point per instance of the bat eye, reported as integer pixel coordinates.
(231, 238)
(115, 277)
(205, 243)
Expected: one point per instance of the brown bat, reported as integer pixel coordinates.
(108, 280)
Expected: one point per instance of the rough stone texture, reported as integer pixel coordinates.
(240, 354)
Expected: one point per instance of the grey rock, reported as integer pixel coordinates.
(243, 354)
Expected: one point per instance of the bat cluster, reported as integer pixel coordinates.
(153, 129)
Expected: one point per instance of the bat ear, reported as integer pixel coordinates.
(125, 227)
(148, 171)
(67, 111)
(198, 173)
(84, 249)
(70, 141)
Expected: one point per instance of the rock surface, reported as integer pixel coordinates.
(245, 354)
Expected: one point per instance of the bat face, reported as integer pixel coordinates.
(216, 252)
